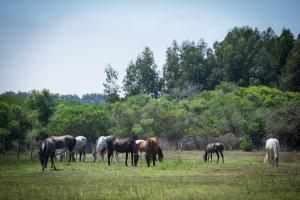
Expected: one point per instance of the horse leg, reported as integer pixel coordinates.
(217, 156)
(108, 157)
(269, 158)
(131, 153)
(126, 158)
(117, 156)
(222, 156)
(211, 156)
(52, 162)
(83, 159)
(153, 158)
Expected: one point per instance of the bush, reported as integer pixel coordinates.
(246, 144)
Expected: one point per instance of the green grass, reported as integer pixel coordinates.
(183, 175)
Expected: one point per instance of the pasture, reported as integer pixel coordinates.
(182, 175)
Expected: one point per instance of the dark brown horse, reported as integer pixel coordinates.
(152, 149)
(213, 148)
(47, 149)
(52, 143)
(123, 145)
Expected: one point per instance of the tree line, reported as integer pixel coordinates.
(249, 113)
(92, 98)
(246, 57)
(247, 86)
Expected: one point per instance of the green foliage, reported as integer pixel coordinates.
(43, 102)
(246, 144)
(290, 78)
(142, 76)
(86, 120)
(111, 91)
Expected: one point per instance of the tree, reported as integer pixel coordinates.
(265, 69)
(43, 102)
(142, 76)
(285, 45)
(188, 68)
(171, 69)
(86, 120)
(235, 54)
(290, 78)
(111, 91)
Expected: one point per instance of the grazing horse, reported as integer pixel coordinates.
(80, 146)
(123, 145)
(101, 148)
(213, 148)
(142, 145)
(65, 141)
(272, 148)
(153, 148)
(47, 149)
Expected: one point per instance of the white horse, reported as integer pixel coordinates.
(101, 147)
(272, 148)
(80, 146)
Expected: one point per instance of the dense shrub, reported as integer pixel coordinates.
(246, 144)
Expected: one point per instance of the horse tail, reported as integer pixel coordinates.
(160, 154)
(44, 148)
(73, 144)
(276, 149)
(43, 151)
(135, 147)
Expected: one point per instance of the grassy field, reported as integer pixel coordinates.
(183, 175)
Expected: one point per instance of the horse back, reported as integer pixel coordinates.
(124, 145)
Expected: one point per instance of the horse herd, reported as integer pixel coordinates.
(112, 144)
(104, 144)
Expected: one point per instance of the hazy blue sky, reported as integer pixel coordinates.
(65, 45)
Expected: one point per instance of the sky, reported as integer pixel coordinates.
(64, 45)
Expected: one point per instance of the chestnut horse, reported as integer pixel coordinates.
(213, 148)
(52, 143)
(123, 145)
(152, 148)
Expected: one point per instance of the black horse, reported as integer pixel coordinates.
(213, 148)
(123, 145)
(49, 145)
(47, 149)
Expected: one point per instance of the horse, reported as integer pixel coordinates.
(142, 145)
(101, 148)
(64, 142)
(47, 149)
(152, 148)
(123, 145)
(272, 148)
(79, 147)
(213, 148)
